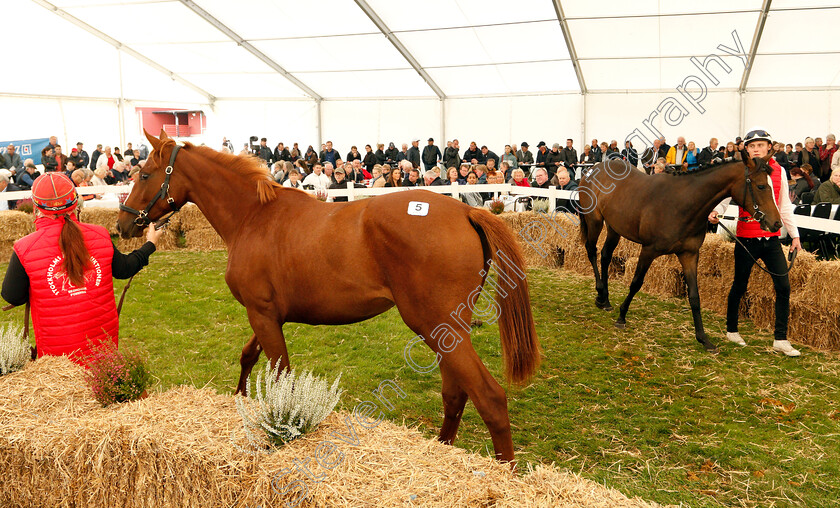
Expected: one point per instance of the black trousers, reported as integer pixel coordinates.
(770, 252)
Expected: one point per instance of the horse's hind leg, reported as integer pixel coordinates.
(646, 257)
(593, 231)
(454, 400)
(606, 258)
(250, 355)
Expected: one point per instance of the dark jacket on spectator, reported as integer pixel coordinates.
(380, 157)
(401, 156)
(94, 158)
(649, 158)
(782, 159)
(351, 157)
(825, 161)
(812, 158)
(11, 161)
(12, 204)
(490, 155)
(431, 154)
(450, 157)
(407, 183)
(391, 154)
(437, 181)
(631, 155)
(283, 155)
(49, 163)
(828, 192)
(476, 154)
(663, 150)
(707, 155)
(541, 159)
(24, 179)
(413, 156)
(266, 154)
(596, 152)
(369, 161)
(551, 160)
(343, 186)
(570, 157)
(546, 185)
(329, 156)
(77, 160)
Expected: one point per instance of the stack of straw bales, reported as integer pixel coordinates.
(14, 225)
(59, 448)
(198, 232)
(107, 218)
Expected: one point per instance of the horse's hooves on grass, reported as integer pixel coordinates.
(605, 306)
(476, 323)
(710, 348)
(620, 325)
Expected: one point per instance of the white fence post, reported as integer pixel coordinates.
(552, 198)
(455, 193)
(352, 188)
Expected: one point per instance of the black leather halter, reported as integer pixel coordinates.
(757, 215)
(142, 219)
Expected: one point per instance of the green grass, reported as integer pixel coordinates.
(643, 410)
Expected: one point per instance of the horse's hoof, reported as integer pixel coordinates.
(605, 306)
(710, 348)
(620, 325)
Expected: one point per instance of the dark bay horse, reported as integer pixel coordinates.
(355, 268)
(667, 214)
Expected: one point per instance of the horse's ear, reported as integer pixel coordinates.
(153, 140)
(745, 156)
(769, 155)
(163, 136)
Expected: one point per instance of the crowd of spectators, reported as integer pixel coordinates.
(813, 167)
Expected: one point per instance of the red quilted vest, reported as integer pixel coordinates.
(751, 228)
(65, 317)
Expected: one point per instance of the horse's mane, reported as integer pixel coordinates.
(713, 166)
(249, 167)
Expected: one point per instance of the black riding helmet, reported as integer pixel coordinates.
(757, 135)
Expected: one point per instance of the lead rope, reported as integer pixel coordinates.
(791, 256)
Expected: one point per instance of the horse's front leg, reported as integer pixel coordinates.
(250, 355)
(689, 264)
(267, 327)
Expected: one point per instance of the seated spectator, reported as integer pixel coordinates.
(117, 154)
(587, 157)
(692, 157)
(391, 154)
(472, 198)
(829, 191)
(317, 180)
(629, 153)
(376, 175)
(354, 154)
(463, 172)
(451, 176)
(302, 167)
(504, 170)
(6, 186)
(70, 167)
(11, 160)
(519, 178)
(278, 172)
(293, 180)
(99, 177)
(480, 171)
(814, 178)
(491, 165)
(660, 167)
(120, 171)
(563, 181)
(541, 178)
(329, 171)
(341, 183)
(394, 178)
(413, 178)
(802, 183)
(431, 179)
(369, 160)
(510, 158)
(731, 152)
(26, 177)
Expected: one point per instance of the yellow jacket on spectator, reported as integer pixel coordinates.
(671, 157)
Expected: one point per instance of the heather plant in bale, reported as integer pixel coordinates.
(285, 405)
(540, 205)
(497, 206)
(25, 205)
(117, 376)
(14, 349)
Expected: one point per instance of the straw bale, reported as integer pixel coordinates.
(6, 250)
(15, 225)
(105, 217)
(60, 448)
(190, 218)
(204, 239)
(663, 278)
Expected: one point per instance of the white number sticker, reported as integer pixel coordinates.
(418, 208)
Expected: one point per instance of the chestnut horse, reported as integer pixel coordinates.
(667, 214)
(355, 268)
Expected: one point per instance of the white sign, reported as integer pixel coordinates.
(418, 208)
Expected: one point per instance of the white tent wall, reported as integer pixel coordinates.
(618, 116)
(497, 121)
(286, 121)
(792, 116)
(70, 120)
(361, 122)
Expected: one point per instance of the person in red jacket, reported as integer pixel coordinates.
(762, 245)
(65, 271)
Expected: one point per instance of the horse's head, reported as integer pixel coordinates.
(153, 194)
(754, 194)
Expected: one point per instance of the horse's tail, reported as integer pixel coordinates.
(520, 345)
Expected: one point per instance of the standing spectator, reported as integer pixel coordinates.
(391, 153)
(809, 155)
(117, 154)
(106, 159)
(60, 159)
(691, 157)
(53, 142)
(650, 155)
(731, 152)
(370, 159)
(129, 152)
(708, 154)
(570, 156)
(11, 160)
(329, 155)
(380, 154)
(676, 154)
(524, 157)
(782, 158)
(48, 159)
(472, 153)
(281, 153)
(227, 144)
(84, 158)
(489, 154)
(553, 160)
(510, 158)
(431, 155)
(664, 147)
(827, 152)
(596, 150)
(587, 157)
(403, 154)
(354, 154)
(629, 153)
(311, 156)
(451, 157)
(246, 151)
(542, 152)
(413, 155)
(77, 160)
(829, 191)
(265, 153)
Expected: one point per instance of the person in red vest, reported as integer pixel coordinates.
(762, 245)
(65, 271)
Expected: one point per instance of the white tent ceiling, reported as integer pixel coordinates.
(203, 50)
